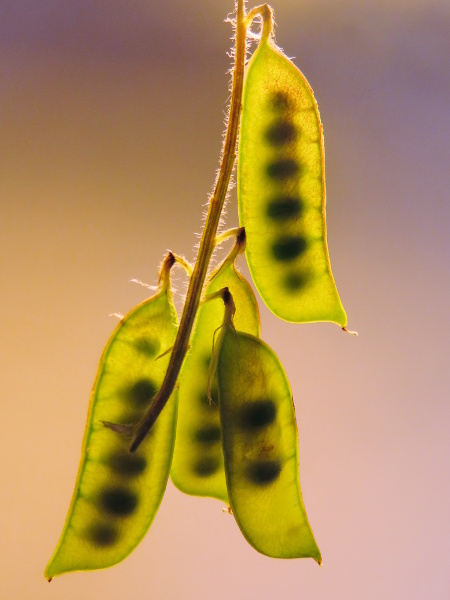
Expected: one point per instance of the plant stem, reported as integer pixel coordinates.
(207, 242)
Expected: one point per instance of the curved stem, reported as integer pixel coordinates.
(225, 235)
(266, 13)
(207, 242)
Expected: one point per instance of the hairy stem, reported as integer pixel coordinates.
(208, 237)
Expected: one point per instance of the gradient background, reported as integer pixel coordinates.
(112, 115)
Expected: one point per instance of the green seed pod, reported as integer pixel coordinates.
(118, 493)
(281, 191)
(197, 466)
(260, 446)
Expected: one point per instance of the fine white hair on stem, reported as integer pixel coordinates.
(118, 315)
(143, 284)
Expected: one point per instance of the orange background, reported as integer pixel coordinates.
(112, 115)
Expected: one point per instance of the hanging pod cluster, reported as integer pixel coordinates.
(228, 429)
(236, 435)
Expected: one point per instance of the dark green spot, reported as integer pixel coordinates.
(209, 434)
(281, 132)
(102, 534)
(284, 208)
(207, 360)
(118, 501)
(147, 346)
(284, 168)
(257, 414)
(206, 466)
(264, 472)
(127, 464)
(142, 392)
(295, 281)
(280, 101)
(288, 248)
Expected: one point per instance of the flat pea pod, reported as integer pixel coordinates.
(260, 445)
(197, 466)
(118, 493)
(281, 191)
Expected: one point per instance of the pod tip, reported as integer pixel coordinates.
(354, 333)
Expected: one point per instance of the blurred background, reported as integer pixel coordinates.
(112, 116)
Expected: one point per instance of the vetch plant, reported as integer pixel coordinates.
(205, 400)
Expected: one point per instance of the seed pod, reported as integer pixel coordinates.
(260, 446)
(281, 191)
(118, 493)
(197, 466)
